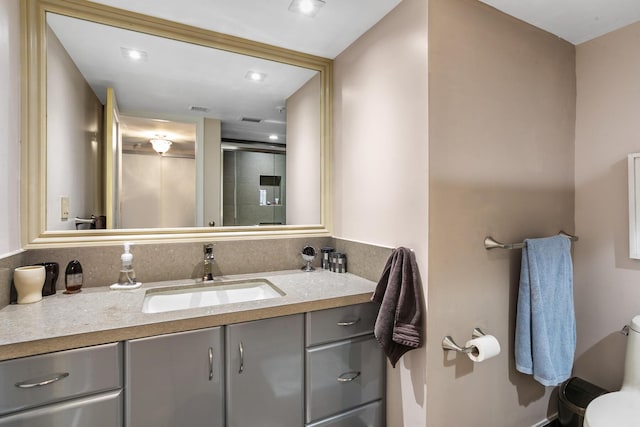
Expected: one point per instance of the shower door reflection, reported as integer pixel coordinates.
(253, 188)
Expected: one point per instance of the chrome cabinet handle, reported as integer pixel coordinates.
(347, 377)
(210, 363)
(39, 382)
(349, 323)
(241, 348)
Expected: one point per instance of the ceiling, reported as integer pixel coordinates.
(575, 21)
(338, 23)
(175, 76)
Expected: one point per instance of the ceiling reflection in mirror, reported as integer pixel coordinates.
(205, 105)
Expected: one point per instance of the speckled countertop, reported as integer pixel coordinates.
(101, 315)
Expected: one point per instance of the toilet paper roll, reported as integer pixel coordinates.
(484, 347)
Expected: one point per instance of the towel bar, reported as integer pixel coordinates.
(448, 344)
(491, 243)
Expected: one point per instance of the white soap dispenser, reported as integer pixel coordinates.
(127, 278)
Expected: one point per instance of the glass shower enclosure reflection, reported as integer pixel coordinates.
(253, 188)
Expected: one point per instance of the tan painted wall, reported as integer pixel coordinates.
(607, 291)
(381, 163)
(303, 154)
(74, 132)
(9, 127)
(501, 139)
(212, 175)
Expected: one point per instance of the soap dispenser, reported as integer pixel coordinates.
(127, 276)
(73, 278)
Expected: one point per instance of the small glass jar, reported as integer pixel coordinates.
(338, 262)
(326, 254)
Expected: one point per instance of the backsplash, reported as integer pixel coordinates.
(170, 261)
(364, 260)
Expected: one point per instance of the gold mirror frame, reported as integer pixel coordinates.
(34, 145)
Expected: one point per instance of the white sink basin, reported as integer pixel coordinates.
(208, 294)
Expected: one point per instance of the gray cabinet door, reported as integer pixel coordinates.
(265, 373)
(175, 380)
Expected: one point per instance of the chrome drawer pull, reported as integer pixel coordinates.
(210, 363)
(353, 322)
(241, 348)
(347, 377)
(42, 382)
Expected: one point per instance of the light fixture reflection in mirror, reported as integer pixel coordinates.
(38, 232)
(161, 145)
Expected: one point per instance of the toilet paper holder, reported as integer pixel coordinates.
(448, 344)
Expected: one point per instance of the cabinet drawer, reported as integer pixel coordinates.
(343, 375)
(370, 415)
(103, 410)
(340, 323)
(37, 380)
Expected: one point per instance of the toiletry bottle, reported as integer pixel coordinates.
(127, 275)
(73, 277)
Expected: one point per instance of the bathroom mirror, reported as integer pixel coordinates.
(49, 160)
(634, 205)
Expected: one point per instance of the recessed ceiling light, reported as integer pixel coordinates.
(306, 7)
(133, 54)
(255, 76)
(273, 137)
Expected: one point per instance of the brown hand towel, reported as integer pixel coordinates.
(398, 327)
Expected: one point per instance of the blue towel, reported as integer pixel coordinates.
(545, 340)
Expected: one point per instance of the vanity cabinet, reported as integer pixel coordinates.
(175, 379)
(265, 372)
(80, 388)
(345, 368)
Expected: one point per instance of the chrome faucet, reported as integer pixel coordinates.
(208, 262)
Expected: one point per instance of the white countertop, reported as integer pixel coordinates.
(100, 315)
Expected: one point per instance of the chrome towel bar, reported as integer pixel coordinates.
(491, 243)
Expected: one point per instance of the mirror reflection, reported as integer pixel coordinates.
(149, 132)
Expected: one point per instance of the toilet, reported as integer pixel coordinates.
(621, 408)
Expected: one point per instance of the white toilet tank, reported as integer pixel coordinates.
(631, 380)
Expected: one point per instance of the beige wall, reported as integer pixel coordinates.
(212, 172)
(381, 163)
(74, 127)
(607, 290)
(501, 139)
(303, 154)
(9, 127)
